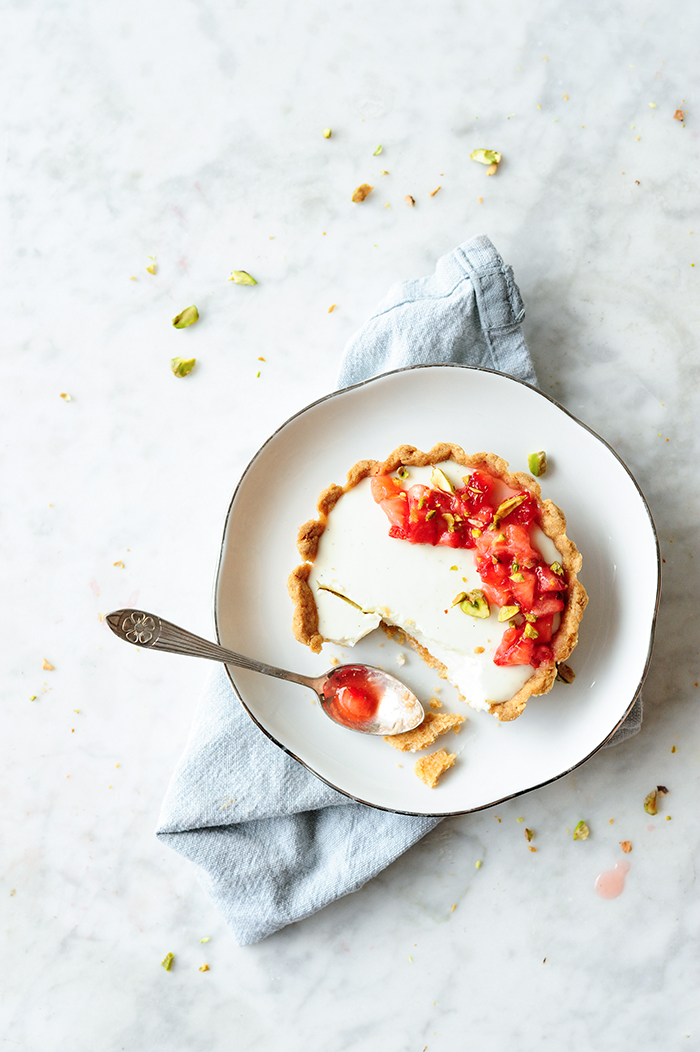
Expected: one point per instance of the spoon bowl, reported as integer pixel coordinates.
(359, 697)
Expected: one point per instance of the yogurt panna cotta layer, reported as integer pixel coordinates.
(362, 576)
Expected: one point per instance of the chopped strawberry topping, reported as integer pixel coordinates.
(512, 570)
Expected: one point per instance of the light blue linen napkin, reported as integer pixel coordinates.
(271, 843)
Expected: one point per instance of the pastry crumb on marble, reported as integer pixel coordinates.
(430, 768)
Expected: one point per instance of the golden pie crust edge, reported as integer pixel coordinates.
(552, 523)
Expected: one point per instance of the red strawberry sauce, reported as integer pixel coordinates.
(352, 695)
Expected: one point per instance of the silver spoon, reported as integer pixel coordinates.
(356, 696)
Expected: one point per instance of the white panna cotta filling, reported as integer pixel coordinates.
(362, 576)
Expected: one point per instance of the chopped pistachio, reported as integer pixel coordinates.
(204, 968)
(182, 366)
(478, 865)
(430, 514)
(565, 674)
(557, 568)
(450, 520)
(514, 566)
(167, 961)
(205, 939)
(581, 831)
(458, 599)
(507, 612)
(528, 835)
(476, 604)
(662, 790)
(486, 156)
(506, 507)
(361, 192)
(530, 617)
(537, 463)
(517, 577)
(327, 133)
(377, 151)
(530, 633)
(476, 532)
(151, 269)
(242, 277)
(440, 480)
(423, 501)
(650, 803)
(403, 472)
(186, 317)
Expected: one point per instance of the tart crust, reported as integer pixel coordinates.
(552, 523)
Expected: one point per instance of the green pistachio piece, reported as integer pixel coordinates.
(529, 835)
(581, 831)
(565, 674)
(530, 632)
(242, 277)
(423, 501)
(530, 617)
(440, 480)
(167, 961)
(486, 156)
(458, 599)
(182, 366)
(476, 532)
(326, 133)
(537, 463)
(186, 317)
(557, 568)
(450, 520)
(476, 604)
(377, 151)
(517, 577)
(650, 803)
(506, 507)
(430, 514)
(403, 472)
(507, 612)
(515, 566)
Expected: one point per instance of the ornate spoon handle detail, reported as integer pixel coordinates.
(148, 630)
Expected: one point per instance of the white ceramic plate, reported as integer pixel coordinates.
(480, 410)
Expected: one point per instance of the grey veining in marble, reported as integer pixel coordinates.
(192, 133)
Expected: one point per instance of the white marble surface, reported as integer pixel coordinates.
(193, 133)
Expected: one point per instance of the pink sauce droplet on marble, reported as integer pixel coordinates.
(612, 883)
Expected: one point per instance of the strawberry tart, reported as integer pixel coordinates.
(455, 554)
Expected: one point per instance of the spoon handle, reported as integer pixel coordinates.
(148, 630)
